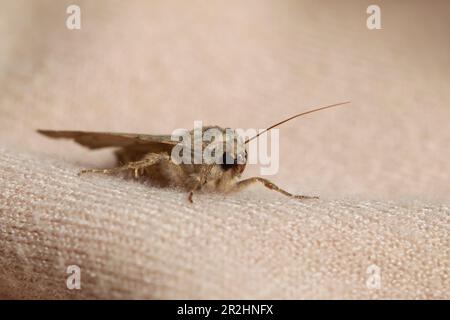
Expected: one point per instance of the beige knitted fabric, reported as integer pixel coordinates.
(380, 164)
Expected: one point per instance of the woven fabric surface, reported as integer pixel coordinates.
(133, 241)
(380, 165)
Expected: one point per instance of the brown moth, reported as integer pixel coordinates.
(149, 156)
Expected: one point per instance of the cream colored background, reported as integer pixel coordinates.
(380, 164)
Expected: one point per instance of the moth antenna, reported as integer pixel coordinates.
(293, 117)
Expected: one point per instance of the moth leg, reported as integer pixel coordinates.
(199, 181)
(270, 185)
(136, 166)
(191, 193)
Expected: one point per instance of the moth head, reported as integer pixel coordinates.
(234, 161)
(234, 156)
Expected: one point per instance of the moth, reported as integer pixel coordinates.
(149, 156)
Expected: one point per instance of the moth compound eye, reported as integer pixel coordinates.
(228, 161)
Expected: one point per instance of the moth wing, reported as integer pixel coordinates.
(97, 140)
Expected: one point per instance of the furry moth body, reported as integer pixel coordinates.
(149, 156)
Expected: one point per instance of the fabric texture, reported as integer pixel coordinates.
(380, 164)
